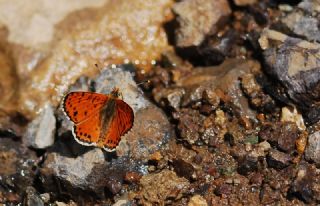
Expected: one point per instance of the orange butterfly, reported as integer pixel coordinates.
(99, 120)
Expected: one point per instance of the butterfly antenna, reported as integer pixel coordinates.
(146, 81)
(97, 66)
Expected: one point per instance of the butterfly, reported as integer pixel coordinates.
(99, 119)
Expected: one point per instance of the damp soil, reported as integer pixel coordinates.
(227, 111)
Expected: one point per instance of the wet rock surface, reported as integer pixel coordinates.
(295, 63)
(93, 34)
(225, 97)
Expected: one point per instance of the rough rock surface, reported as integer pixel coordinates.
(278, 160)
(281, 135)
(96, 34)
(198, 18)
(197, 200)
(303, 25)
(41, 131)
(244, 2)
(307, 183)
(295, 63)
(214, 84)
(313, 148)
(162, 188)
(303, 20)
(32, 197)
(17, 170)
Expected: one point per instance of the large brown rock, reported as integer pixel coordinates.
(295, 63)
(199, 18)
(58, 46)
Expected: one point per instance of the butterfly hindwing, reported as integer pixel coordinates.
(80, 106)
(121, 123)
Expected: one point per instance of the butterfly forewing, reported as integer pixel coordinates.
(80, 106)
(88, 131)
(121, 123)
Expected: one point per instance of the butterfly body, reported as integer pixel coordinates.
(99, 120)
(107, 114)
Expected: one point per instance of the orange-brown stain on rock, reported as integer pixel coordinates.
(116, 33)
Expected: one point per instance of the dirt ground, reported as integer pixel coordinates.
(225, 96)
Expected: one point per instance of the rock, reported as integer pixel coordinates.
(268, 195)
(197, 200)
(306, 184)
(184, 169)
(278, 160)
(287, 137)
(221, 81)
(122, 203)
(257, 97)
(310, 6)
(161, 188)
(170, 97)
(150, 133)
(312, 152)
(18, 167)
(265, 146)
(249, 162)
(41, 131)
(8, 89)
(244, 2)
(224, 189)
(285, 7)
(32, 198)
(132, 177)
(70, 203)
(247, 165)
(303, 25)
(114, 184)
(74, 171)
(213, 50)
(283, 135)
(190, 122)
(80, 36)
(11, 121)
(197, 19)
(210, 86)
(45, 197)
(295, 64)
(292, 115)
(256, 179)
